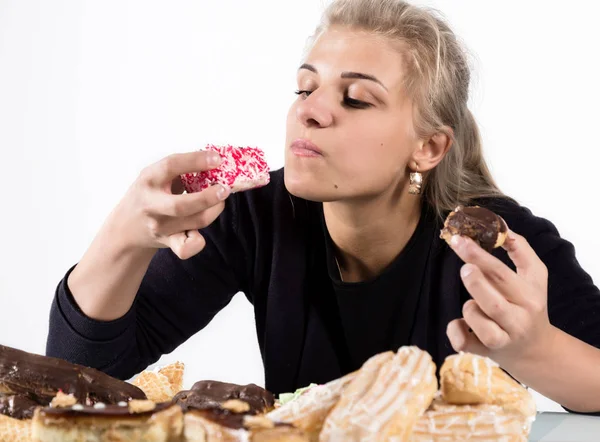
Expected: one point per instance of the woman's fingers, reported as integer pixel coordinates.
(163, 172)
(497, 273)
(528, 263)
(185, 244)
(489, 333)
(488, 297)
(476, 332)
(196, 221)
(462, 338)
(187, 204)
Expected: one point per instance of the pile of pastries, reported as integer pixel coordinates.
(394, 396)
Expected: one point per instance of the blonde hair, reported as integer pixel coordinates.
(437, 79)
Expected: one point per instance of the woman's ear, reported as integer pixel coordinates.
(433, 150)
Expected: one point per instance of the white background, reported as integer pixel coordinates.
(91, 92)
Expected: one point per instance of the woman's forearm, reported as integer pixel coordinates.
(104, 283)
(566, 370)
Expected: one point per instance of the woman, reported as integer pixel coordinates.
(339, 259)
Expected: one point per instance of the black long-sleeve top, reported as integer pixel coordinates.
(311, 326)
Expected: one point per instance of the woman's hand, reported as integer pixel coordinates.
(507, 319)
(155, 214)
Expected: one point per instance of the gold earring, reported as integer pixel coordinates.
(416, 182)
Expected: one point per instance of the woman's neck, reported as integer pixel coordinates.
(369, 235)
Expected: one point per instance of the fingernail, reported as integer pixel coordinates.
(222, 192)
(213, 159)
(466, 270)
(456, 241)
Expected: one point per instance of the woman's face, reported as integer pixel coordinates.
(350, 133)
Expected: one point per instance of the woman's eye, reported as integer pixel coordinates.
(357, 104)
(348, 102)
(304, 93)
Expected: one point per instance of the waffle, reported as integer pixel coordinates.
(163, 384)
(174, 373)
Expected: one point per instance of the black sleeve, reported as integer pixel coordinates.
(176, 299)
(573, 299)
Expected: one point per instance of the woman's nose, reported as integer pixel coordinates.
(314, 111)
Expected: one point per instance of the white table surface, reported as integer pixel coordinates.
(565, 427)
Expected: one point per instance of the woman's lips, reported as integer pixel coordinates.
(305, 148)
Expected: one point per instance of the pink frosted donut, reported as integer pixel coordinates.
(242, 168)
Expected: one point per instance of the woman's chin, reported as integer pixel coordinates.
(307, 187)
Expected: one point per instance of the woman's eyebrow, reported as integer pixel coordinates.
(358, 75)
(308, 67)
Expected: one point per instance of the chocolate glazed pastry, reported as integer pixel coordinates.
(17, 406)
(120, 410)
(32, 378)
(230, 419)
(211, 394)
(128, 422)
(223, 425)
(478, 223)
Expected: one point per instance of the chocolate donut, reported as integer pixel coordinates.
(211, 394)
(478, 223)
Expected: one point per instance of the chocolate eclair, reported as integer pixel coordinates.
(17, 406)
(135, 420)
(232, 423)
(15, 430)
(29, 378)
(212, 394)
(478, 223)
